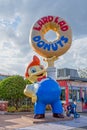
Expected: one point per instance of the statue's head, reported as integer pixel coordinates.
(35, 71)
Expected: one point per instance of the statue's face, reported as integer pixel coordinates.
(36, 72)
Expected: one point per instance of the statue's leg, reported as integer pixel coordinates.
(57, 109)
(39, 110)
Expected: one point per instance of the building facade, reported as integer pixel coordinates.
(73, 88)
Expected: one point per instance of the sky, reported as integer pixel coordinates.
(16, 20)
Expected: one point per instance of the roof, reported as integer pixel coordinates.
(72, 78)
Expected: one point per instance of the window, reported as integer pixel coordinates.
(78, 94)
(75, 93)
(62, 97)
(84, 94)
(70, 94)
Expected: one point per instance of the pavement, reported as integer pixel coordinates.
(26, 122)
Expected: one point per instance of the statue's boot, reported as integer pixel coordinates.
(39, 116)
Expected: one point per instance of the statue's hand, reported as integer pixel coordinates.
(30, 91)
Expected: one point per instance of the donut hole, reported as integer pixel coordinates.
(51, 36)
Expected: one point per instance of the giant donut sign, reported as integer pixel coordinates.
(56, 47)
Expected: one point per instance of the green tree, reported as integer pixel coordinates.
(11, 89)
(27, 81)
(83, 72)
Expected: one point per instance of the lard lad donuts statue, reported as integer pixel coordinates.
(46, 91)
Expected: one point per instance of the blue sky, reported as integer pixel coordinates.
(16, 20)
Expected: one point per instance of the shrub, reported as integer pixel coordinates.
(11, 109)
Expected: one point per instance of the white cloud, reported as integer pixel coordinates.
(16, 20)
(76, 56)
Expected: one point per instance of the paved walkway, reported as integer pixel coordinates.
(26, 122)
(75, 124)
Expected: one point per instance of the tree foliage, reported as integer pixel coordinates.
(12, 88)
(27, 81)
(83, 72)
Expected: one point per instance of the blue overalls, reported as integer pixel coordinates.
(48, 93)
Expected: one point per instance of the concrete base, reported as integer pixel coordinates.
(16, 121)
(48, 118)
